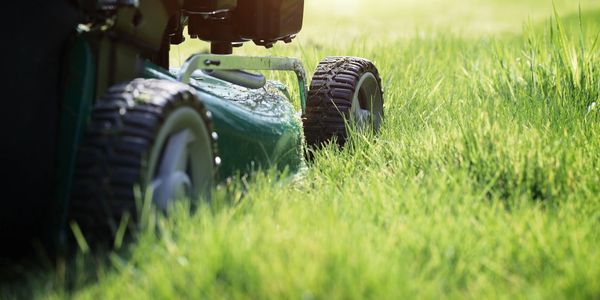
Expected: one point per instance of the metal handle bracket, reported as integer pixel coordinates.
(250, 63)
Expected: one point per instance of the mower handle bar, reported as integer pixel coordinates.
(251, 63)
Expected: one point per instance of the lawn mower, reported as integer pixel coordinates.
(102, 120)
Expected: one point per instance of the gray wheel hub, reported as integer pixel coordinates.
(181, 160)
(367, 104)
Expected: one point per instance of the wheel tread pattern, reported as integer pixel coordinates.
(330, 98)
(119, 136)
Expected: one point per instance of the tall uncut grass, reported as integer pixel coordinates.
(484, 181)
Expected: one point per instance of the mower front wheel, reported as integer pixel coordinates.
(148, 134)
(344, 92)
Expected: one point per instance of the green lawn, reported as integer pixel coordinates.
(484, 182)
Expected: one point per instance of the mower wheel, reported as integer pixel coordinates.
(151, 135)
(344, 92)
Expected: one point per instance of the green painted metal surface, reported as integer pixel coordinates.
(256, 128)
(76, 106)
(257, 63)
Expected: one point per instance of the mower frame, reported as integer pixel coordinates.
(251, 63)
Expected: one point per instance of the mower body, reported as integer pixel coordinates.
(257, 128)
(98, 122)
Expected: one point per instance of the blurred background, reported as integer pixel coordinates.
(335, 23)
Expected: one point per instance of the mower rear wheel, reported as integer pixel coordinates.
(344, 92)
(149, 134)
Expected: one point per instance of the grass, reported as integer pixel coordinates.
(484, 182)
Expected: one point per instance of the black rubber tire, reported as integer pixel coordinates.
(330, 97)
(112, 157)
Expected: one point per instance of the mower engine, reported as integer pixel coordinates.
(229, 23)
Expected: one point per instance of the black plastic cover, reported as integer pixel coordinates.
(32, 94)
(227, 22)
(209, 5)
(269, 20)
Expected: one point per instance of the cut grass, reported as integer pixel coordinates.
(484, 182)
